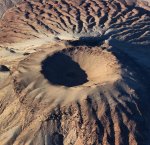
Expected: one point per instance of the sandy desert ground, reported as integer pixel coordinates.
(74, 72)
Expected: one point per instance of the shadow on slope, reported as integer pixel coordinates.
(140, 83)
(87, 41)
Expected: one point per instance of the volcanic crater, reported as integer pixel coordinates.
(80, 66)
(74, 72)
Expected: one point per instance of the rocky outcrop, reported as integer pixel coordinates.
(6, 4)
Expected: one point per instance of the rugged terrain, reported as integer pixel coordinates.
(74, 72)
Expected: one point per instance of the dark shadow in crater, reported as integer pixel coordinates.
(57, 139)
(4, 68)
(60, 69)
(87, 41)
